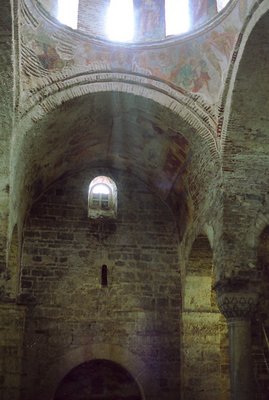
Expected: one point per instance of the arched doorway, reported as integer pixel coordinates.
(98, 379)
(204, 330)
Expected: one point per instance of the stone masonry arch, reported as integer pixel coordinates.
(181, 102)
(246, 148)
(34, 126)
(131, 362)
(258, 10)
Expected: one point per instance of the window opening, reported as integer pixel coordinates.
(221, 4)
(68, 13)
(120, 17)
(120, 20)
(177, 17)
(102, 198)
(104, 276)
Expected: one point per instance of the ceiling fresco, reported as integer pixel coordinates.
(150, 16)
(90, 131)
(133, 132)
(197, 64)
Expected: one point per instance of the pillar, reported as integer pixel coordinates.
(149, 20)
(202, 11)
(92, 17)
(238, 306)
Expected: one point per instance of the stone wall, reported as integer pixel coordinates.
(7, 66)
(260, 322)
(92, 16)
(245, 165)
(139, 310)
(11, 344)
(205, 365)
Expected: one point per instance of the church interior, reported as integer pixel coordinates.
(134, 200)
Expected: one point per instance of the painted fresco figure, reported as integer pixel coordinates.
(202, 10)
(150, 19)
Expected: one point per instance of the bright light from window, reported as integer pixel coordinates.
(221, 4)
(68, 12)
(177, 16)
(120, 20)
(100, 189)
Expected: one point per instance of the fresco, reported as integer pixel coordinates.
(197, 65)
(189, 66)
(176, 155)
(202, 10)
(149, 19)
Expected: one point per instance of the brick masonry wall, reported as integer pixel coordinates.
(92, 16)
(245, 165)
(62, 257)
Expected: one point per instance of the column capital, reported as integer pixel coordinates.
(236, 300)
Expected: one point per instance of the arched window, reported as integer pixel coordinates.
(102, 198)
(68, 13)
(120, 20)
(101, 195)
(177, 17)
(221, 4)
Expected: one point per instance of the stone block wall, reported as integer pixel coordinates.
(11, 344)
(260, 322)
(6, 118)
(205, 363)
(68, 308)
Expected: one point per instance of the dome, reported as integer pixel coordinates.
(135, 21)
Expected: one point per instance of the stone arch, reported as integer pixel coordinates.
(95, 378)
(205, 336)
(258, 11)
(184, 110)
(246, 146)
(200, 265)
(138, 369)
(183, 104)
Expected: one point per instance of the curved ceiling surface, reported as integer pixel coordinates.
(152, 20)
(108, 129)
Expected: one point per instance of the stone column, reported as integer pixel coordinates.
(238, 307)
